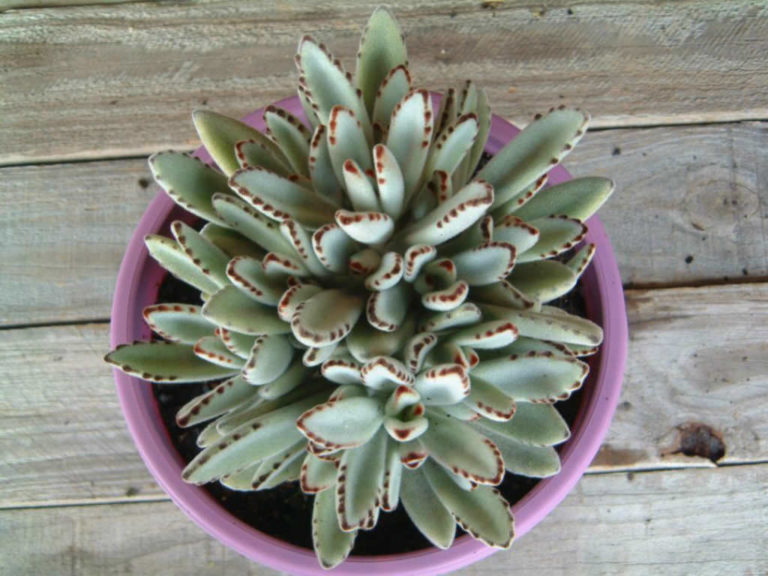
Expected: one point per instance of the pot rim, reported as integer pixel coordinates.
(137, 283)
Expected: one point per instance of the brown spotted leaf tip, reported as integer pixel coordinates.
(375, 316)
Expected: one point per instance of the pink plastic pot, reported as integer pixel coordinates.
(137, 286)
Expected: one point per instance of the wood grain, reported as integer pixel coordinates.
(109, 81)
(64, 441)
(698, 192)
(704, 522)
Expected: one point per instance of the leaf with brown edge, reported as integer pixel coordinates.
(220, 133)
(342, 371)
(282, 467)
(486, 335)
(290, 135)
(543, 280)
(253, 153)
(465, 314)
(345, 423)
(405, 430)
(347, 140)
(360, 190)
(451, 217)
(279, 198)
(358, 480)
(502, 293)
(463, 450)
(180, 323)
(316, 356)
(289, 381)
(386, 309)
(282, 267)
(417, 348)
(165, 362)
(171, 257)
(425, 509)
(512, 230)
(578, 198)
(366, 227)
(541, 145)
(320, 168)
(270, 357)
(364, 262)
(231, 242)
(388, 273)
(385, 373)
(232, 309)
(526, 459)
(189, 182)
(224, 397)
(442, 384)
(213, 350)
(389, 181)
(409, 136)
(238, 344)
(392, 90)
(486, 264)
(333, 247)
(301, 241)
(557, 234)
(332, 545)
(255, 440)
(389, 491)
(482, 512)
(452, 145)
(446, 299)
(206, 256)
(533, 377)
(490, 402)
(313, 326)
(539, 424)
(565, 328)
(416, 257)
(251, 223)
(317, 474)
(520, 200)
(248, 275)
(580, 260)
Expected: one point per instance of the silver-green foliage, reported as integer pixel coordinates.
(375, 307)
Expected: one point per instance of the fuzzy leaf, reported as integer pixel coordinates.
(317, 475)
(206, 256)
(502, 294)
(386, 309)
(465, 314)
(232, 309)
(286, 383)
(171, 257)
(341, 371)
(333, 247)
(490, 402)
(541, 145)
(332, 545)
(556, 235)
(269, 359)
(251, 224)
(417, 348)
(231, 242)
(279, 198)
(452, 145)
(248, 275)
(382, 48)
(443, 384)
(365, 262)
(405, 430)
(515, 231)
(263, 154)
(291, 136)
(485, 264)
(294, 296)
(301, 241)
(385, 373)
(486, 335)
(358, 481)
(282, 467)
(410, 132)
(359, 188)
(223, 398)
(426, 511)
(392, 90)
(446, 299)
(313, 326)
(344, 423)
(416, 257)
(366, 227)
(366, 342)
(451, 217)
(347, 140)
(327, 84)
(544, 280)
(388, 274)
(579, 261)
(320, 167)
(537, 377)
(482, 512)
(212, 349)
(181, 323)
(189, 182)
(220, 133)
(389, 180)
(255, 440)
(164, 362)
(538, 424)
(565, 328)
(527, 459)
(578, 198)
(392, 478)
(463, 450)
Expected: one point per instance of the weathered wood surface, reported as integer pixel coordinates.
(697, 355)
(703, 522)
(109, 81)
(698, 192)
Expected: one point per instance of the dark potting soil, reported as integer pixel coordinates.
(285, 512)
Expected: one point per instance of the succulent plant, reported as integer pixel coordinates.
(376, 308)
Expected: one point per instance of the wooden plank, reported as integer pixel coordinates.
(64, 441)
(27, 4)
(64, 236)
(704, 522)
(110, 81)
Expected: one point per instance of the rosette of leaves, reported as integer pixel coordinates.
(375, 310)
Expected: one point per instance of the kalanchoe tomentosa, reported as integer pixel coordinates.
(375, 306)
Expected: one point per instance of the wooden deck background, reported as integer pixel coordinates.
(679, 97)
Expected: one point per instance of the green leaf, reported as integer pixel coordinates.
(392, 90)
(578, 198)
(382, 48)
(213, 350)
(541, 145)
(463, 450)
(344, 423)
(490, 402)
(332, 545)
(386, 309)
(544, 280)
(347, 140)
(232, 309)
(366, 342)
(317, 475)
(312, 325)
(220, 133)
(486, 335)
(556, 235)
(482, 512)
(251, 224)
(291, 136)
(189, 182)
(181, 323)
(452, 145)
(357, 483)
(410, 132)
(538, 424)
(262, 154)
(231, 242)
(564, 327)
(171, 257)
(426, 511)
(527, 459)
(164, 362)
(224, 397)
(320, 167)
(206, 256)
(443, 384)
(248, 275)
(291, 379)
(269, 359)
(486, 264)
(366, 227)
(333, 247)
(359, 188)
